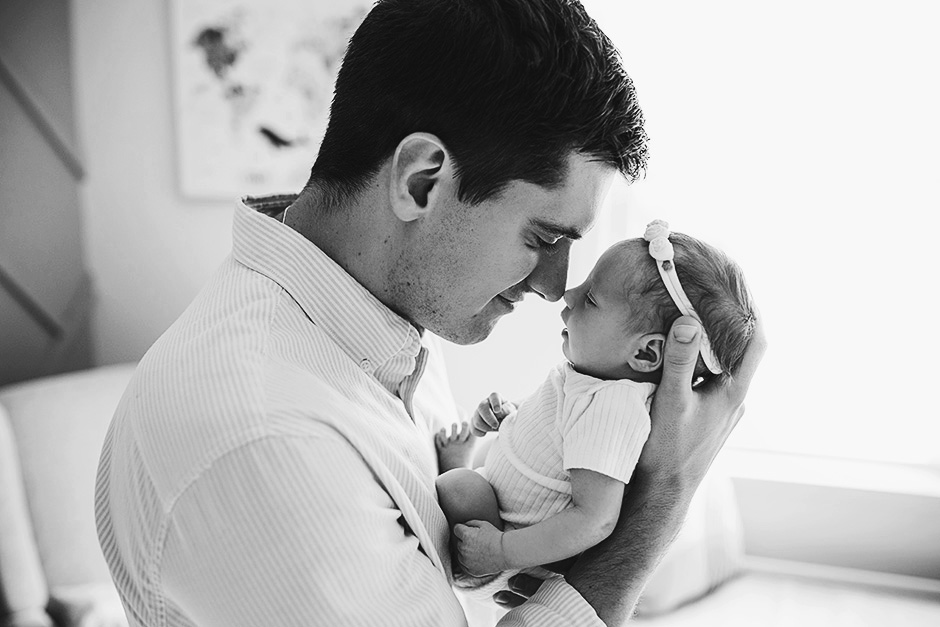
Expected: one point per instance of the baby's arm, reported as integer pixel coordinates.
(592, 516)
(596, 500)
(456, 450)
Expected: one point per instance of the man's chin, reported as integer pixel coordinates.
(474, 331)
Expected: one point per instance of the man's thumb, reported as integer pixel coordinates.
(681, 353)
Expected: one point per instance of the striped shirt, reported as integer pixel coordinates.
(271, 462)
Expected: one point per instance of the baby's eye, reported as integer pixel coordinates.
(589, 299)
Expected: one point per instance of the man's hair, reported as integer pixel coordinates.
(716, 288)
(511, 87)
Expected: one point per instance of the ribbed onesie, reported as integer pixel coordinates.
(571, 421)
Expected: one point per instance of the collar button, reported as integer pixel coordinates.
(366, 365)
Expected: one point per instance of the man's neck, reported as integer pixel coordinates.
(358, 235)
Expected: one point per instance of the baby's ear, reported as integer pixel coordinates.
(647, 355)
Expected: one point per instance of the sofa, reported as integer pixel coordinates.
(52, 571)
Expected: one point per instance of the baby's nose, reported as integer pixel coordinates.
(569, 298)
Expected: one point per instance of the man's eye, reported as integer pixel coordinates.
(548, 246)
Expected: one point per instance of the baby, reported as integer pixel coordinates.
(554, 478)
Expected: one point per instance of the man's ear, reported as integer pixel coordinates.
(420, 168)
(647, 353)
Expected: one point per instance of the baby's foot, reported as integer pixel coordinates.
(456, 449)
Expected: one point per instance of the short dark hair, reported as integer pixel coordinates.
(717, 290)
(511, 87)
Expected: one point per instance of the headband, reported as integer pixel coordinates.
(657, 234)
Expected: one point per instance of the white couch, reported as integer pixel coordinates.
(51, 567)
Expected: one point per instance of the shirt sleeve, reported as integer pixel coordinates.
(608, 435)
(556, 604)
(296, 531)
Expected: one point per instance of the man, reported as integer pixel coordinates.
(272, 461)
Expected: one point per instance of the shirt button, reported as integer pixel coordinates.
(366, 365)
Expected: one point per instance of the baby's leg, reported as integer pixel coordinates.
(464, 495)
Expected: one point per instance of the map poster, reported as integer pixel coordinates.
(253, 85)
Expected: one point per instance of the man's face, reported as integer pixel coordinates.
(468, 265)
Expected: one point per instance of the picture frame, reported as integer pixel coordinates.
(253, 81)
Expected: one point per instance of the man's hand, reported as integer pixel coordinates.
(489, 414)
(689, 427)
(479, 548)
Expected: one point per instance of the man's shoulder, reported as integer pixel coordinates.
(189, 405)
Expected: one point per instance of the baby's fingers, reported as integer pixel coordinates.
(464, 434)
(485, 417)
(478, 429)
(500, 406)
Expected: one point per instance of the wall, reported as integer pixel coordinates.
(147, 249)
(44, 293)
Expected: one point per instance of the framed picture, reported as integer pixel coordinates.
(253, 85)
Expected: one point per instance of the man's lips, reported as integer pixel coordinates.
(510, 299)
(506, 302)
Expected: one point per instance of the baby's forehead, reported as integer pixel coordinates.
(627, 264)
(627, 258)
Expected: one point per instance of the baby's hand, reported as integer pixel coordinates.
(489, 414)
(454, 450)
(479, 548)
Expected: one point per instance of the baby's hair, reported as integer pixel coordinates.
(716, 287)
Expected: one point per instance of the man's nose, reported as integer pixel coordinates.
(549, 276)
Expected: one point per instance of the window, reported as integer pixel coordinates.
(802, 138)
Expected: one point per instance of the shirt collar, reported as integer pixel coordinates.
(380, 341)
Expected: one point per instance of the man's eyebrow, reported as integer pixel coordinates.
(554, 228)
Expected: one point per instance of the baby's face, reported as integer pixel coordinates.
(597, 314)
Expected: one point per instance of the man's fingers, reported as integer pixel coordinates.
(521, 587)
(680, 355)
(752, 358)
(508, 600)
(738, 415)
(526, 585)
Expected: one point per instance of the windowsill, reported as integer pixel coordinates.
(861, 578)
(867, 516)
(847, 474)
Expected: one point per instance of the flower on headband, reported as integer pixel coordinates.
(656, 228)
(661, 249)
